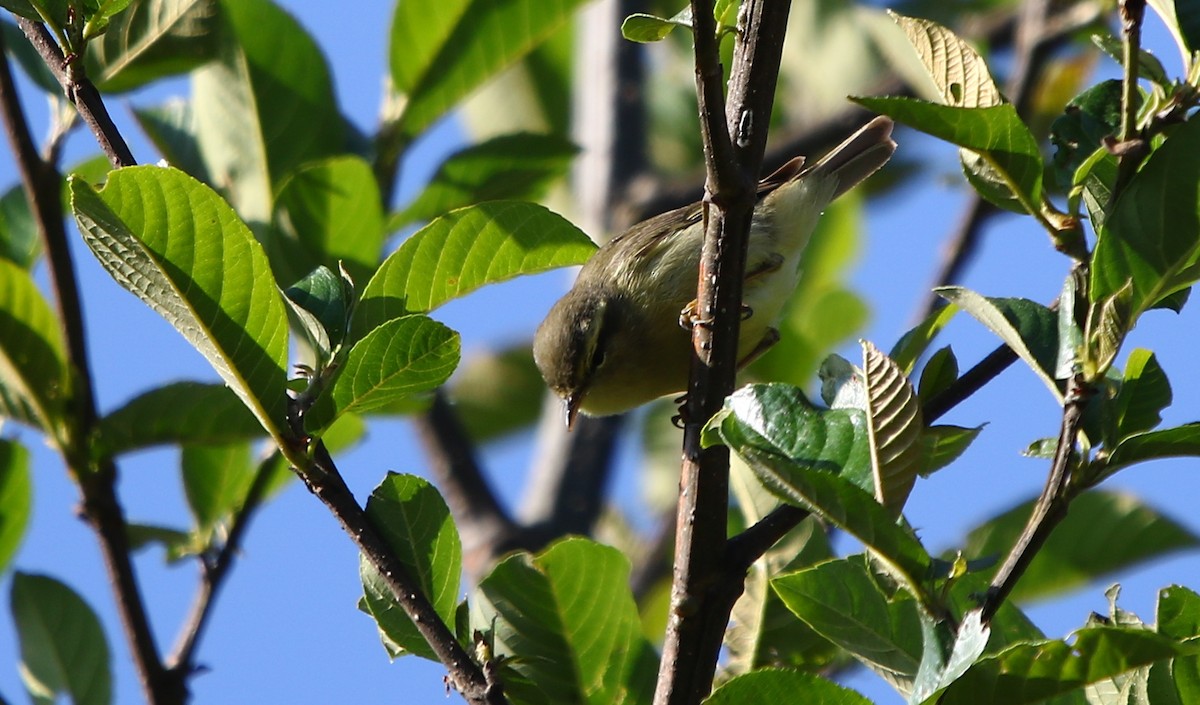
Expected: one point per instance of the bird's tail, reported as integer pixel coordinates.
(861, 155)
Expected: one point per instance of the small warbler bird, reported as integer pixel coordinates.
(615, 340)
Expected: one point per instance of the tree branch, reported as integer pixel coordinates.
(486, 529)
(321, 476)
(1051, 505)
(702, 591)
(82, 93)
(96, 481)
(215, 569)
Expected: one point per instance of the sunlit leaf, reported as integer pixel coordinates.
(1152, 236)
(913, 344)
(566, 626)
(396, 360)
(844, 602)
(265, 107)
(332, 210)
(1031, 673)
(894, 428)
(1029, 328)
(1144, 393)
(415, 522)
(960, 74)
(997, 134)
(439, 56)
(181, 249)
(33, 382)
(464, 250)
(513, 166)
(216, 479)
(152, 39)
(1181, 441)
(781, 687)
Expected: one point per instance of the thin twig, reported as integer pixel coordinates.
(1130, 147)
(82, 93)
(215, 569)
(1051, 506)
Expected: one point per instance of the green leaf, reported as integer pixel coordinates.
(1148, 65)
(19, 241)
(940, 666)
(1087, 119)
(332, 211)
(439, 56)
(176, 245)
(959, 73)
(498, 392)
(265, 107)
(1029, 328)
(893, 427)
(995, 133)
(565, 626)
(844, 601)
(153, 39)
(178, 544)
(644, 28)
(1178, 617)
(762, 630)
(1181, 441)
(938, 374)
(16, 498)
(1182, 18)
(400, 358)
(1108, 323)
(943, 444)
(1104, 532)
(779, 419)
(322, 304)
(63, 649)
(1033, 672)
(416, 524)
(780, 686)
(33, 378)
(1152, 236)
(177, 413)
(515, 166)
(216, 479)
(464, 250)
(913, 344)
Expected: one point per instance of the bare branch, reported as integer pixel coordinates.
(100, 506)
(735, 136)
(82, 93)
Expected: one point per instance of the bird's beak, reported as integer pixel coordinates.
(571, 406)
